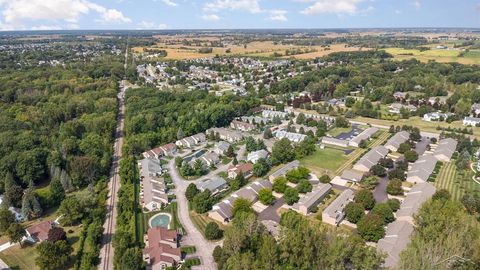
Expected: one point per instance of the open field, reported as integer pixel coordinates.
(439, 55)
(257, 48)
(454, 181)
(324, 161)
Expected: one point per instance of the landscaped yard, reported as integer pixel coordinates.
(454, 181)
(324, 161)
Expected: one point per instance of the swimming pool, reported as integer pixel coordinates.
(160, 220)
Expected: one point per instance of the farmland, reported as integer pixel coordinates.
(439, 55)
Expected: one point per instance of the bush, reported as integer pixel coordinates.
(279, 184)
(325, 179)
(411, 156)
(394, 187)
(442, 194)
(370, 228)
(213, 232)
(369, 182)
(304, 186)
(265, 196)
(378, 170)
(354, 212)
(384, 211)
(365, 197)
(291, 196)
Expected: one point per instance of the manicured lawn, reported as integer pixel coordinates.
(455, 181)
(20, 258)
(324, 161)
(337, 131)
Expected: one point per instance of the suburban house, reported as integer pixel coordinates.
(253, 157)
(334, 141)
(437, 100)
(419, 194)
(394, 142)
(221, 148)
(476, 109)
(299, 128)
(397, 107)
(226, 134)
(244, 168)
(312, 199)
(215, 185)
(422, 169)
(352, 176)
(153, 191)
(272, 114)
(284, 170)
(471, 121)
(191, 141)
(335, 212)
(19, 217)
(210, 159)
(400, 96)
(396, 239)
(243, 126)
(255, 120)
(363, 136)
(370, 159)
(164, 150)
(293, 137)
(445, 149)
(222, 211)
(436, 116)
(39, 232)
(161, 249)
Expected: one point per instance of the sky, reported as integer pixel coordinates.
(235, 14)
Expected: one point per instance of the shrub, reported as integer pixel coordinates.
(213, 232)
(354, 212)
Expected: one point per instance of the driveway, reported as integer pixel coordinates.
(349, 135)
(194, 236)
(421, 146)
(270, 213)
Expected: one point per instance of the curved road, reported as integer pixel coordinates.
(194, 236)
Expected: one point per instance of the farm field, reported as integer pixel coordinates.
(443, 56)
(454, 181)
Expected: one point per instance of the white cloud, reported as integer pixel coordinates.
(169, 3)
(397, 11)
(278, 15)
(210, 17)
(151, 25)
(18, 12)
(417, 4)
(333, 6)
(251, 6)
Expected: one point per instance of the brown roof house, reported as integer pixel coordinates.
(161, 249)
(245, 168)
(39, 232)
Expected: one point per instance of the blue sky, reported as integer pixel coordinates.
(214, 14)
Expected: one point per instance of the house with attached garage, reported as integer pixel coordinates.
(293, 137)
(153, 190)
(245, 168)
(215, 185)
(436, 116)
(421, 170)
(225, 134)
(221, 148)
(370, 159)
(39, 232)
(158, 152)
(394, 142)
(253, 157)
(284, 170)
(272, 114)
(471, 121)
(243, 126)
(335, 212)
(352, 176)
(161, 248)
(191, 141)
(312, 199)
(445, 149)
(476, 109)
(363, 136)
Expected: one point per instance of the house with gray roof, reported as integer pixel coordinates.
(221, 148)
(471, 121)
(371, 158)
(312, 199)
(334, 141)
(445, 149)
(352, 176)
(335, 212)
(419, 194)
(253, 157)
(191, 141)
(272, 114)
(153, 191)
(363, 136)
(394, 142)
(291, 136)
(215, 185)
(422, 169)
(396, 239)
(210, 159)
(284, 170)
(476, 108)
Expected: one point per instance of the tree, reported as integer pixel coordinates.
(213, 231)
(15, 233)
(370, 227)
(378, 170)
(265, 196)
(394, 204)
(297, 174)
(30, 206)
(411, 156)
(56, 234)
(369, 182)
(341, 122)
(180, 134)
(202, 202)
(235, 161)
(471, 202)
(441, 194)
(13, 196)
(384, 211)
(304, 186)
(53, 256)
(404, 147)
(396, 173)
(325, 179)
(387, 163)
(241, 205)
(57, 191)
(267, 134)
(261, 168)
(230, 152)
(279, 184)
(132, 259)
(363, 144)
(394, 187)
(282, 151)
(300, 119)
(6, 218)
(365, 197)
(290, 195)
(191, 191)
(354, 212)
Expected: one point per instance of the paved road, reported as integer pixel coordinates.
(106, 252)
(194, 236)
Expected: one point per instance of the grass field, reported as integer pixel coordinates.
(324, 161)
(443, 56)
(201, 221)
(454, 181)
(337, 131)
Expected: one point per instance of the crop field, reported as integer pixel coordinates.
(457, 183)
(439, 55)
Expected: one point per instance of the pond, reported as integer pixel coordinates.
(160, 220)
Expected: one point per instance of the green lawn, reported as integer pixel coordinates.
(201, 221)
(324, 161)
(20, 258)
(454, 181)
(435, 54)
(337, 131)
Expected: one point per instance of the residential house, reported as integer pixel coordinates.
(476, 109)
(255, 120)
(445, 149)
(422, 169)
(396, 239)
(215, 185)
(335, 212)
(436, 116)
(284, 170)
(153, 191)
(210, 159)
(414, 199)
(397, 107)
(225, 134)
(161, 249)
(299, 128)
(312, 199)
(221, 148)
(253, 157)
(437, 100)
(272, 114)
(334, 141)
(352, 176)
(39, 232)
(243, 126)
(363, 136)
(244, 168)
(394, 142)
(371, 158)
(471, 121)
(19, 217)
(400, 96)
(293, 137)
(191, 141)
